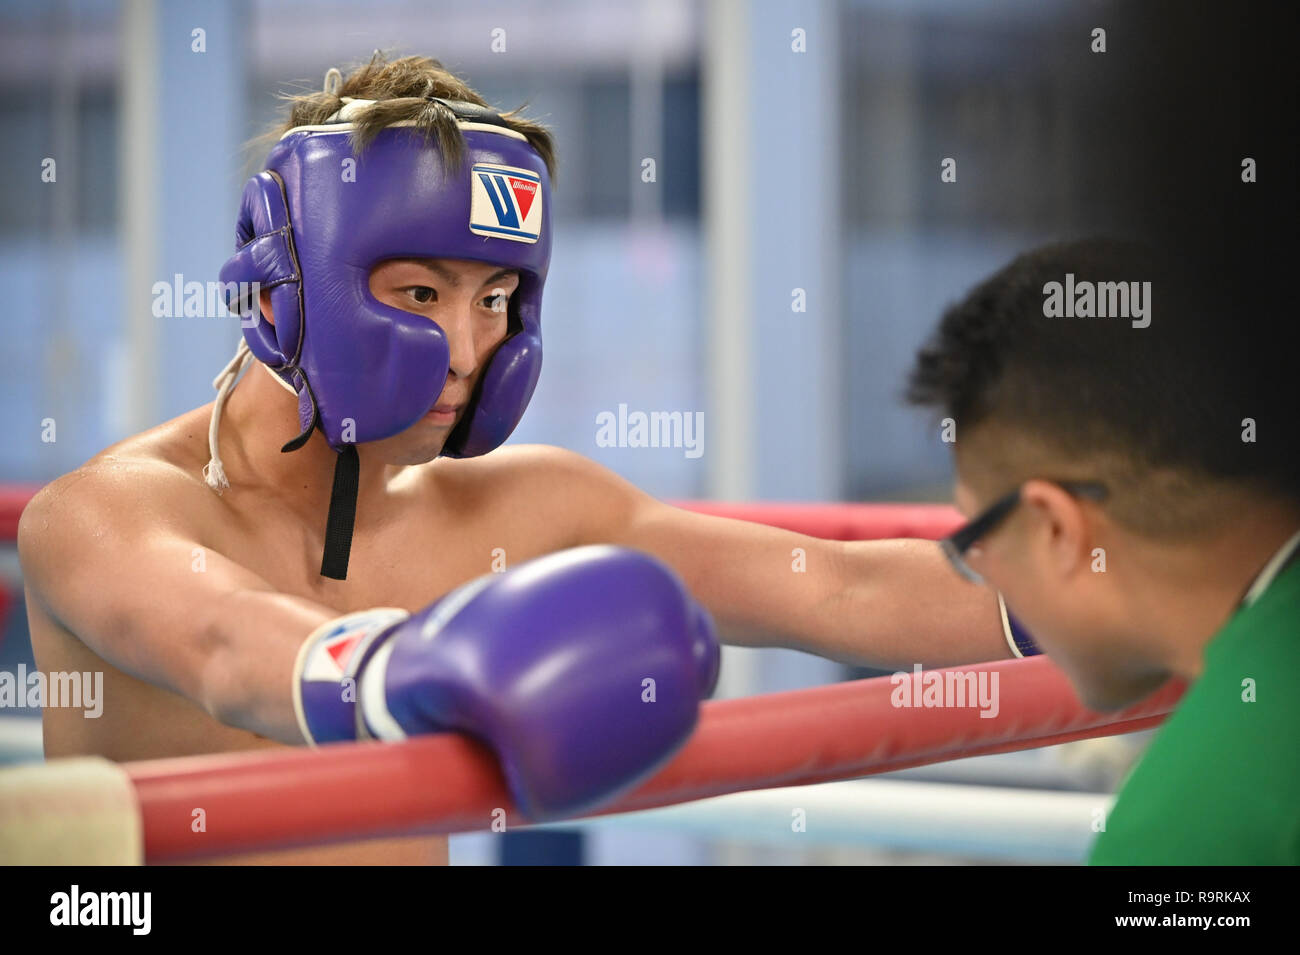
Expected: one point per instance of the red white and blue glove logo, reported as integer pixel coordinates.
(326, 669)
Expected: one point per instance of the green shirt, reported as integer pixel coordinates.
(1220, 783)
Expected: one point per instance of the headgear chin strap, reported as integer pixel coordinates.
(315, 223)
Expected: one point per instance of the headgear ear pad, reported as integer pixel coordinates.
(318, 220)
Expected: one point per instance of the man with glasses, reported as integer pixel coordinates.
(1133, 500)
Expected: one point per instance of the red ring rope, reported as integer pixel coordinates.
(446, 783)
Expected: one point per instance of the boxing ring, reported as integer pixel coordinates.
(759, 746)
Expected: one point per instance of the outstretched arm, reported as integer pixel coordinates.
(888, 603)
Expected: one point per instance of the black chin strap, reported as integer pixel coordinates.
(343, 515)
(343, 500)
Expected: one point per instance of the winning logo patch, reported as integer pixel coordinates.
(505, 203)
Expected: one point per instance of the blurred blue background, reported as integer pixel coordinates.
(797, 151)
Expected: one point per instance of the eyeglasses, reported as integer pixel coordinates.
(956, 544)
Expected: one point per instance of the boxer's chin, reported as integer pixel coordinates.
(418, 444)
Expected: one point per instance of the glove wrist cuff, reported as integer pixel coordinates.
(325, 674)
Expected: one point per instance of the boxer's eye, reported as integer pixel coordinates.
(498, 301)
(422, 294)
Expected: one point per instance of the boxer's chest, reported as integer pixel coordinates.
(409, 556)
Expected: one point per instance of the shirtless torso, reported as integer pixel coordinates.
(447, 518)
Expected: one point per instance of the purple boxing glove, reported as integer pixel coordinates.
(583, 670)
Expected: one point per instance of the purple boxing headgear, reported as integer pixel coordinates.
(315, 223)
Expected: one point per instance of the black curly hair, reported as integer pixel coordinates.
(1157, 412)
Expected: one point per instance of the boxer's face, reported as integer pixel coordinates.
(1046, 559)
(469, 302)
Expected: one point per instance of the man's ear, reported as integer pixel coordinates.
(1068, 535)
(264, 299)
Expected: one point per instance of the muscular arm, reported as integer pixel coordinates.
(887, 603)
(109, 562)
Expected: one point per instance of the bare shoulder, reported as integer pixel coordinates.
(565, 487)
(117, 497)
(536, 468)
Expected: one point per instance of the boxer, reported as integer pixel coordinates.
(231, 569)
